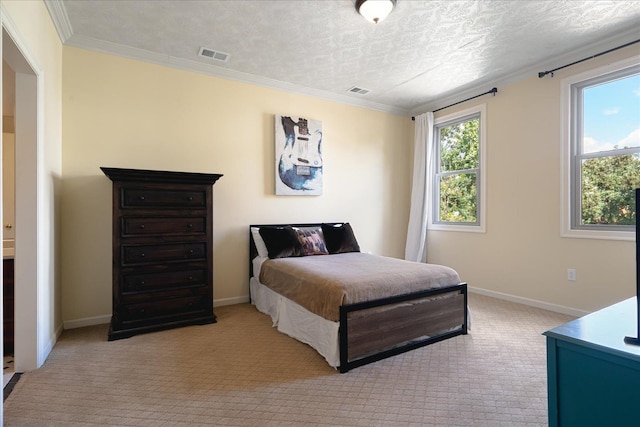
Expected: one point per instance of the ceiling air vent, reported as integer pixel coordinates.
(213, 54)
(359, 90)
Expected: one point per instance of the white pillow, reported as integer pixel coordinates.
(260, 246)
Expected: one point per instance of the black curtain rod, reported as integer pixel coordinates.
(541, 74)
(493, 91)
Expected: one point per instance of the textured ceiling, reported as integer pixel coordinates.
(425, 52)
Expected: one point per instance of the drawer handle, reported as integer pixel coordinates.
(141, 283)
(141, 197)
(190, 198)
(141, 254)
(142, 311)
(190, 278)
(189, 225)
(142, 226)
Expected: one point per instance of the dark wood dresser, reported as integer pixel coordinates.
(162, 250)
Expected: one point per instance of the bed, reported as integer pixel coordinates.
(331, 296)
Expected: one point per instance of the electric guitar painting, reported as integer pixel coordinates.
(300, 163)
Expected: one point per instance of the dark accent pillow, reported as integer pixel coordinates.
(339, 238)
(281, 242)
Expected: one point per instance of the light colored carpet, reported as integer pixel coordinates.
(242, 372)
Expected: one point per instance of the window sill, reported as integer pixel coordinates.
(463, 228)
(628, 236)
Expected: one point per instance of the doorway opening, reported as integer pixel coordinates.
(27, 127)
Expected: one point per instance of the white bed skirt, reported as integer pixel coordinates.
(298, 322)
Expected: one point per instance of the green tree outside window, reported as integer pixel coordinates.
(458, 171)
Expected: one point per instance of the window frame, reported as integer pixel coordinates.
(571, 128)
(480, 225)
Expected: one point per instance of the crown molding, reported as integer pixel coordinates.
(530, 71)
(102, 46)
(60, 19)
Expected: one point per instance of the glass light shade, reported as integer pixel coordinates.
(375, 10)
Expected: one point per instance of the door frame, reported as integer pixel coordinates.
(30, 346)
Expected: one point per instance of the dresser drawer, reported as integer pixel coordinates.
(149, 198)
(140, 254)
(164, 280)
(155, 295)
(149, 226)
(164, 308)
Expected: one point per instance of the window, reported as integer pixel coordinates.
(458, 171)
(604, 152)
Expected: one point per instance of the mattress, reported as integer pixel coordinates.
(321, 284)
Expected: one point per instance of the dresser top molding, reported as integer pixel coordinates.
(142, 175)
(603, 330)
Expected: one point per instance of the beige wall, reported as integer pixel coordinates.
(522, 253)
(130, 114)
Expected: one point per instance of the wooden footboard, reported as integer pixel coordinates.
(378, 329)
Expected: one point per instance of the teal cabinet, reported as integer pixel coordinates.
(593, 375)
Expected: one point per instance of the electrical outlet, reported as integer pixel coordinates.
(571, 275)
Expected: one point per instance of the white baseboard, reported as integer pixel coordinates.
(230, 301)
(101, 320)
(530, 302)
(47, 349)
(87, 321)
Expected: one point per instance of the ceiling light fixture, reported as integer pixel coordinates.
(375, 10)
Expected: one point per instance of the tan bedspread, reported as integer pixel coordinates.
(322, 283)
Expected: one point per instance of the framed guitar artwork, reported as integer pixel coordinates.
(298, 156)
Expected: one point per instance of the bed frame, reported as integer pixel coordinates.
(368, 334)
